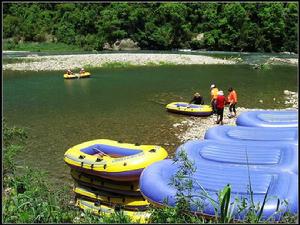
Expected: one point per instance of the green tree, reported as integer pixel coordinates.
(271, 18)
(291, 27)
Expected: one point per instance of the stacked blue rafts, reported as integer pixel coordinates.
(256, 154)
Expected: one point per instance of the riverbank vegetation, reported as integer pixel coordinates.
(252, 27)
(43, 46)
(29, 198)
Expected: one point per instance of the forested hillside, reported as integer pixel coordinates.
(263, 27)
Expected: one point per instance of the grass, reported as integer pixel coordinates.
(117, 65)
(43, 47)
(113, 65)
(30, 198)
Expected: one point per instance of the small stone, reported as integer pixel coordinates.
(176, 124)
(261, 101)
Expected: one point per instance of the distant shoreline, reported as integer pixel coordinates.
(34, 62)
(63, 62)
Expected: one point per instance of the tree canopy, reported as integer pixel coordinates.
(237, 26)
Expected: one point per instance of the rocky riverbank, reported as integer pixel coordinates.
(63, 62)
(274, 60)
(193, 128)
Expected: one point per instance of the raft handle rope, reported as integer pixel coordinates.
(152, 150)
(100, 152)
(81, 157)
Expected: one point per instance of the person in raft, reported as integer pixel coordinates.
(232, 100)
(197, 99)
(69, 72)
(220, 104)
(214, 94)
(81, 71)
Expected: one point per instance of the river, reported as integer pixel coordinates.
(125, 104)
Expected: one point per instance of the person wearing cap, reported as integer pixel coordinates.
(81, 71)
(232, 100)
(220, 104)
(69, 72)
(214, 94)
(197, 99)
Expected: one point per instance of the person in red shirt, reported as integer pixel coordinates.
(232, 100)
(220, 104)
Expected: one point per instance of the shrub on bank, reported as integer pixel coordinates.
(29, 197)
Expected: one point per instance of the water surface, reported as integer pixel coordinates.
(125, 104)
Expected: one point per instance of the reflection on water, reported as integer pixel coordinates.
(73, 84)
(125, 104)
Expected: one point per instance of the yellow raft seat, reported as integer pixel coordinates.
(98, 209)
(113, 160)
(111, 199)
(77, 75)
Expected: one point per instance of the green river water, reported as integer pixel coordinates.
(125, 104)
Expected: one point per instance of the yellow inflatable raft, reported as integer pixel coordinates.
(113, 160)
(110, 199)
(124, 188)
(77, 75)
(98, 209)
(189, 109)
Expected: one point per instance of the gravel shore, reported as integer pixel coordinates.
(292, 61)
(193, 128)
(63, 62)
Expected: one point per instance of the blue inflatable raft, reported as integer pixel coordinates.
(268, 118)
(253, 134)
(265, 157)
(155, 186)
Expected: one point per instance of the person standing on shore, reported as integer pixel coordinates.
(214, 94)
(232, 99)
(220, 104)
(197, 99)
